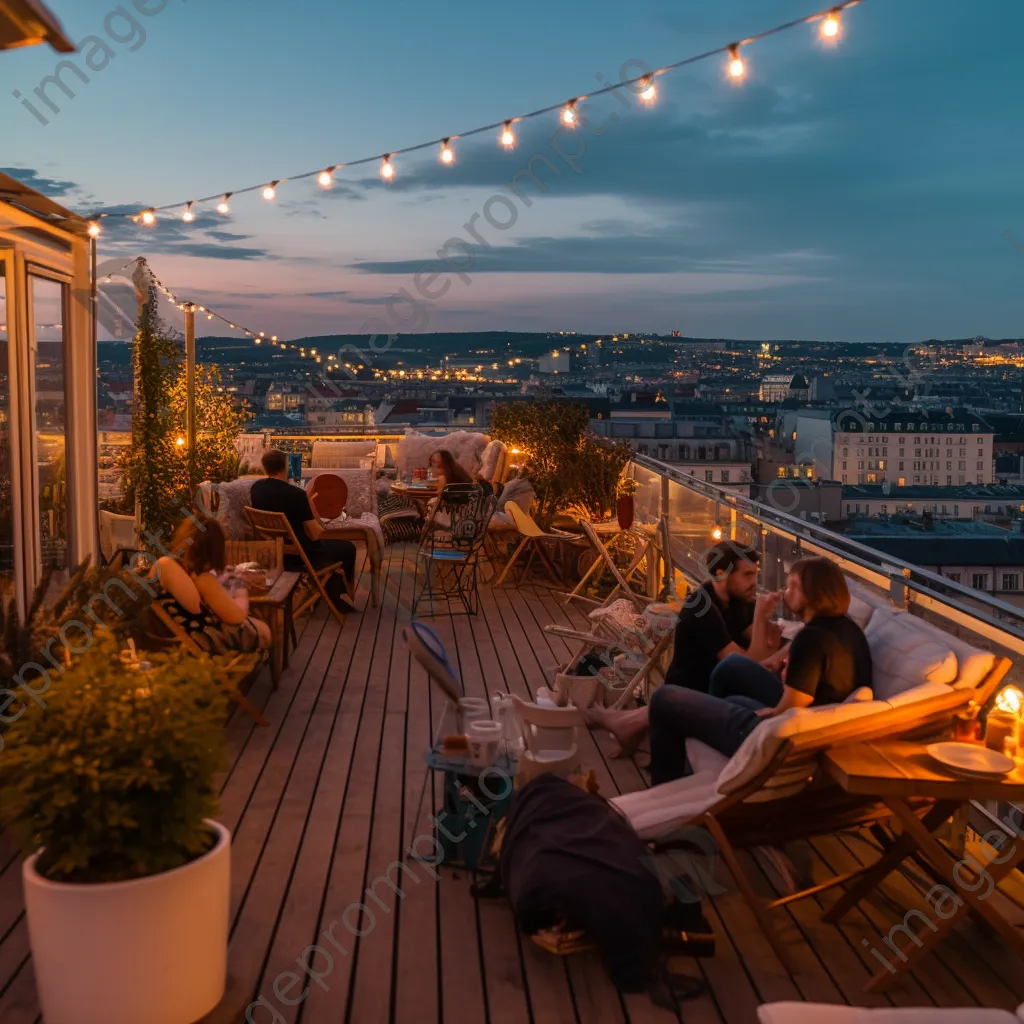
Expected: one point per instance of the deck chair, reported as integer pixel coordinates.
(780, 795)
(605, 560)
(175, 633)
(533, 540)
(268, 553)
(274, 526)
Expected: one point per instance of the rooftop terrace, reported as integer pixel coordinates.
(322, 801)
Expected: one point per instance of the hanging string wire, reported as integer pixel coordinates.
(326, 170)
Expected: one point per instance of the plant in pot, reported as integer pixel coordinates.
(111, 791)
(625, 497)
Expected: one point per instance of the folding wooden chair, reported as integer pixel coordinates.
(268, 553)
(274, 525)
(533, 538)
(177, 634)
(606, 560)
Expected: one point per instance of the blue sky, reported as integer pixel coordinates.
(859, 193)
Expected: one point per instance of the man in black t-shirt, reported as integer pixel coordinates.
(276, 494)
(718, 618)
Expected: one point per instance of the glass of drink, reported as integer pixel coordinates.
(967, 727)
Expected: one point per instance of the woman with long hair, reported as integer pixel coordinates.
(446, 470)
(202, 603)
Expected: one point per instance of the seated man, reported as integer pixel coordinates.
(827, 660)
(717, 621)
(276, 494)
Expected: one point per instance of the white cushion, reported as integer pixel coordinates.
(903, 657)
(327, 454)
(704, 759)
(862, 693)
(916, 693)
(860, 611)
(656, 811)
(415, 449)
(973, 665)
(490, 460)
(763, 743)
(820, 1013)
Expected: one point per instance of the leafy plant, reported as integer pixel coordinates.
(627, 487)
(162, 474)
(115, 779)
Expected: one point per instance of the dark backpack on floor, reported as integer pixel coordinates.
(569, 856)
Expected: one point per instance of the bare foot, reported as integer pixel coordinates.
(626, 728)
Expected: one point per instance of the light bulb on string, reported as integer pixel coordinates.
(570, 115)
(222, 206)
(188, 216)
(387, 170)
(326, 178)
(648, 93)
(508, 138)
(270, 192)
(447, 153)
(94, 230)
(148, 217)
(737, 67)
(830, 25)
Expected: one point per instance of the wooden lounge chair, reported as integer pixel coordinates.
(771, 791)
(604, 559)
(176, 634)
(274, 525)
(533, 541)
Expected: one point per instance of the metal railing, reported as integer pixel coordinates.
(700, 513)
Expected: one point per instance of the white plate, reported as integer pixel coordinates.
(968, 757)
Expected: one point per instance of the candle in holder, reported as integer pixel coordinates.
(1000, 725)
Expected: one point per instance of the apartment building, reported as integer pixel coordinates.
(908, 448)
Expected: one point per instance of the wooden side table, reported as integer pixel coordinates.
(277, 604)
(898, 771)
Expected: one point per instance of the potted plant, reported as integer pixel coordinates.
(111, 790)
(624, 509)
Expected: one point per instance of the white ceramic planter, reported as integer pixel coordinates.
(149, 951)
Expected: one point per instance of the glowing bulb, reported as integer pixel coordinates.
(271, 190)
(569, 113)
(717, 533)
(222, 206)
(1010, 699)
(325, 179)
(387, 171)
(508, 139)
(257, 341)
(830, 26)
(188, 216)
(148, 217)
(94, 230)
(737, 69)
(447, 153)
(273, 337)
(648, 94)
(209, 316)
(180, 442)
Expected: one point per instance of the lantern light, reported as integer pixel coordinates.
(648, 93)
(737, 68)
(387, 170)
(94, 230)
(188, 216)
(270, 192)
(149, 217)
(447, 153)
(830, 26)
(508, 138)
(570, 115)
(326, 178)
(222, 206)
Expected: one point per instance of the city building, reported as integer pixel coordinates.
(780, 387)
(951, 447)
(558, 360)
(972, 501)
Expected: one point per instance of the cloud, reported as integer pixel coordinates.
(55, 188)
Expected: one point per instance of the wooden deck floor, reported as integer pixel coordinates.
(322, 801)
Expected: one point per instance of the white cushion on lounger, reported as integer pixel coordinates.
(820, 1013)
(703, 758)
(916, 693)
(903, 657)
(972, 664)
(763, 743)
(860, 611)
(656, 811)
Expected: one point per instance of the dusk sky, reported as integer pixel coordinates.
(869, 192)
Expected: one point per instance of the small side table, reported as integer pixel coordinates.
(278, 604)
(898, 771)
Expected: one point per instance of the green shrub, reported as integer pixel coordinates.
(115, 776)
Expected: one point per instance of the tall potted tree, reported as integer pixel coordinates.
(111, 791)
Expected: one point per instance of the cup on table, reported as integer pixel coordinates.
(484, 741)
(472, 709)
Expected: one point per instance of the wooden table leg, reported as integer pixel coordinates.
(288, 632)
(946, 865)
(277, 647)
(898, 852)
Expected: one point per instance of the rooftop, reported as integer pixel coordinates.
(1001, 492)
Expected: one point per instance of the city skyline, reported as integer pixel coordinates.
(863, 194)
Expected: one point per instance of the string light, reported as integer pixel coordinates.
(188, 216)
(828, 19)
(447, 153)
(737, 69)
(149, 217)
(94, 230)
